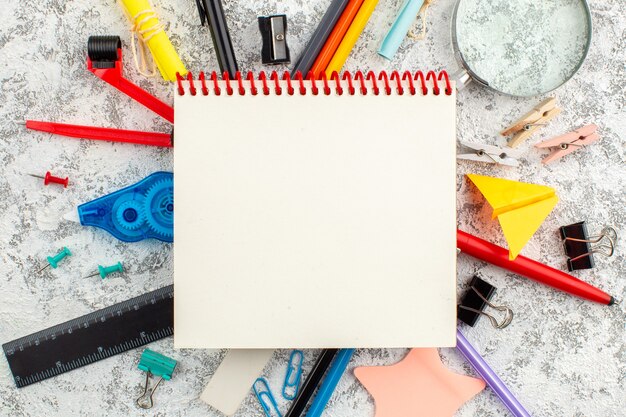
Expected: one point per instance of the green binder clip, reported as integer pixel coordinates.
(153, 363)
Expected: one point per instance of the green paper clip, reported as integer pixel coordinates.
(153, 363)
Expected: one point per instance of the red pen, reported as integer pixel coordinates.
(496, 255)
(102, 133)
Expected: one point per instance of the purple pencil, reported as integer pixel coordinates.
(490, 377)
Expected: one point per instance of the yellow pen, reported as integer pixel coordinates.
(146, 23)
(351, 36)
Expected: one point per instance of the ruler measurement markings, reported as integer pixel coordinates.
(152, 312)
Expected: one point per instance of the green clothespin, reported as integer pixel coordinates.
(153, 363)
(103, 271)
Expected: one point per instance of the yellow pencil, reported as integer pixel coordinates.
(351, 36)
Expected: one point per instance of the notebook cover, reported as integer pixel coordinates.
(314, 221)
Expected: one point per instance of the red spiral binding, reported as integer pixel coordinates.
(314, 88)
(205, 91)
(407, 76)
(348, 76)
(277, 87)
(419, 75)
(358, 76)
(385, 78)
(287, 78)
(431, 74)
(179, 79)
(335, 76)
(242, 90)
(250, 78)
(226, 78)
(326, 86)
(216, 86)
(263, 79)
(444, 74)
(301, 81)
(192, 88)
(372, 78)
(402, 83)
(396, 76)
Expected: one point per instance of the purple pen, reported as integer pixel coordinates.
(490, 377)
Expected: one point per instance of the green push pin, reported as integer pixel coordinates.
(53, 261)
(103, 271)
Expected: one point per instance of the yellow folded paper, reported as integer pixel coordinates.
(519, 207)
(145, 23)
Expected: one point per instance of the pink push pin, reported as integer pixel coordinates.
(51, 178)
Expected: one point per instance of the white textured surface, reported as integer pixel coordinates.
(561, 356)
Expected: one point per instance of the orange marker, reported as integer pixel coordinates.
(335, 37)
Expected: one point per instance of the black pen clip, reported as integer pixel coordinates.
(202, 11)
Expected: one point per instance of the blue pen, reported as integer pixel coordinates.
(400, 28)
(330, 383)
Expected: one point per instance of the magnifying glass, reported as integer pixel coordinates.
(520, 47)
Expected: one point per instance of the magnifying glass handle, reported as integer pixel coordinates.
(462, 78)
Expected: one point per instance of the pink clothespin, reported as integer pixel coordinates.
(569, 142)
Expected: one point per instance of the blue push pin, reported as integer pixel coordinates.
(153, 363)
(104, 271)
(53, 261)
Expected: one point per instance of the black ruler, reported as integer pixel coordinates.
(91, 338)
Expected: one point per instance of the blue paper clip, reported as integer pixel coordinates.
(153, 363)
(265, 397)
(293, 376)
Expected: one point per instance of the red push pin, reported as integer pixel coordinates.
(51, 178)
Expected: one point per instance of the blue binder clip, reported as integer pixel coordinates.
(264, 395)
(293, 376)
(153, 363)
(140, 211)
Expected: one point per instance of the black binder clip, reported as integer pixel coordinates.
(274, 32)
(580, 247)
(474, 302)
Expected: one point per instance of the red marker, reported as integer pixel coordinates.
(496, 255)
(102, 133)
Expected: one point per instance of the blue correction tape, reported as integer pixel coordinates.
(140, 211)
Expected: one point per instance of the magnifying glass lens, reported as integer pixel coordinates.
(522, 47)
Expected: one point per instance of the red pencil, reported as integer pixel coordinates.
(488, 252)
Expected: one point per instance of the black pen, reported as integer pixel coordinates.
(211, 11)
(311, 382)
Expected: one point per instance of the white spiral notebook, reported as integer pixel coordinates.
(315, 220)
